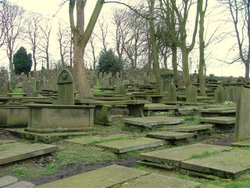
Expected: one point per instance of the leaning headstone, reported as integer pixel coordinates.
(220, 94)
(242, 128)
(172, 95)
(191, 94)
(65, 88)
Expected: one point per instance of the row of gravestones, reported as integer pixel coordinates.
(221, 94)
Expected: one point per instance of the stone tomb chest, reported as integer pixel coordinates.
(63, 116)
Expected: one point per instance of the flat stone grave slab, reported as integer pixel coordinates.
(159, 181)
(191, 128)
(172, 137)
(104, 177)
(222, 120)
(6, 141)
(242, 143)
(17, 151)
(174, 156)
(7, 180)
(219, 111)
(127, 145)
(21, 184)
(84, 140)
(152, 121)
(150, 109)
(227, 164)
(45, 137)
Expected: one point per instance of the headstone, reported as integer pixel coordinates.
(167, 78)
(230, 93)
(172, 95)
(65, 88)
(191, 94)
(219, 94)
(242, 128)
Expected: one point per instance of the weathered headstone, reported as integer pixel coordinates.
(167, 78)
(65, 88)
(242, 128)
(172, 95)
(191, 94)
(230, 94)
(219, 94)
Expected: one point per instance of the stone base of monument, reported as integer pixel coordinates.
(60, 118)
(13, 116)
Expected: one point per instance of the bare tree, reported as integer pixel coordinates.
(80, 40)
(103, 32)
(2, 23)
(65, 44)
(33, 33)
(44, 44)
(182, 12)
(154, 46)
(14, 29)
(240, 14)
(202, 13)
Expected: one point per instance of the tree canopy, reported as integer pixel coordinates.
(22, 61)
(109, 62)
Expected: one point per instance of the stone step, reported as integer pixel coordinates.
(21, 184)
(7, 180)
(222, 120)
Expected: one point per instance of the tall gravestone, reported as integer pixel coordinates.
(172, 94)
(65, 88)
(230, 93)
(191, 94)
(167, 78)
(242, 128)
(219, 95)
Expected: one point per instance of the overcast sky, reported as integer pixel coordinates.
(219, 51)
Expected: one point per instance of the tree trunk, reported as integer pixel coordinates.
(247, 72)
(154, 47)
(174, 64)
(201, 50)
(81, 79)
(185, 66)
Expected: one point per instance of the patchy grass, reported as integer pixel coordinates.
(194, 119)
(203, 155)
(17, 90)
(23, 171)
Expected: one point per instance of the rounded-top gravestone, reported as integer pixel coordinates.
(65, 88)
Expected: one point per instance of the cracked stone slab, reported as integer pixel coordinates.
(152, 121)
(7, 180)
(158, 106)
(174, 156)
(17, 151)
(159, 181)
(167, 135)
(242, 143)
(127, 145)
(227, 164)
(104, 177)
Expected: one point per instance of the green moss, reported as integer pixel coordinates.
(17, 90)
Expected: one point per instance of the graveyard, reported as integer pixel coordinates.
(53, 138)
(131, 99)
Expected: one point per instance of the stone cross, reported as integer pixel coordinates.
(65, 88)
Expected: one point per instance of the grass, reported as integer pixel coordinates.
(71, 155)
(203, 155)
(195, 119)
(17, 90)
